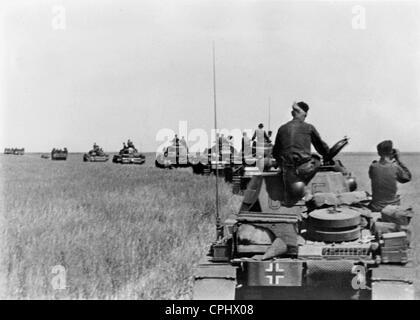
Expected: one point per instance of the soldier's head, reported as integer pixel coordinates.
(260, 126)
(300, 110)
(270, 133)
(385, 148)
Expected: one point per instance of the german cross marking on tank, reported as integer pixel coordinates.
(274, 273)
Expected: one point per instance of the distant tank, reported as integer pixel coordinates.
(59, 154)
(96, 155)
(173, 157)
(260, 160)
(324, 245)
(129, 155)
(15, 151)
(214, 161)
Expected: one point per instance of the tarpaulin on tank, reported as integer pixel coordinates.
(271, 186)
(332, 199)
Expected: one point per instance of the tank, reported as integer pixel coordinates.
(260, 160)
(129, 158)
(59, 154)
(173, 157)
(214, 161)
(97, 155)
(325, 245)
(15, 151)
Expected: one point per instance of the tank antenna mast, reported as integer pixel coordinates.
(269, 113)
(219, 228)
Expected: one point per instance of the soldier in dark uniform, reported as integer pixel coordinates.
(175, 142)
(245, 146)
(384, 175)
(95, 148)
(124, 149)
(270, 133)
(130, 144)
(183, 142)
(292, 150)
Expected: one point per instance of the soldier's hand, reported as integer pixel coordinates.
(396, 154)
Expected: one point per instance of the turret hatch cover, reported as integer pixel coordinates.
(340, 217)
(335, 149)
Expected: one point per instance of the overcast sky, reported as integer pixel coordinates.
(126, 69)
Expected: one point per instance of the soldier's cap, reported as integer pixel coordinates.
(300, 106)
(385, 147)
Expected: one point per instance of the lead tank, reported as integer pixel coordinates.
(326, 245)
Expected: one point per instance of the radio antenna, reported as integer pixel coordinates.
(269, 113)
(219, 228)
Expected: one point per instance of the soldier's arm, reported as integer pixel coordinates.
(371, 169)
(254, 135)
(403, 174)
(318, 143)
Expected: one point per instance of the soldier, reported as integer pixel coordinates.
(124, 149)
(175, 141)
(183, 142)
(245, 147)
(384, 175)
(270, 133)
(130, 144)
(292, 149)
(260, 135)
(259, 138)
(95, 147)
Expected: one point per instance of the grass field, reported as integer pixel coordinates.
(121, 232)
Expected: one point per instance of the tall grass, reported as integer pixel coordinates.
(121, 232)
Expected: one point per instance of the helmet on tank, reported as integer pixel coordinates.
(298, 189)
(351, 183)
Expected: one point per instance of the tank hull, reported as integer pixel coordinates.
(129, 159)
(93, 158)
(14, 151)
(302, 279)
(59, 156)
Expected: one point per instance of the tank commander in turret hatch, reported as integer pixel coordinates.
(183, 142)
(259, 138)
(130, 144)
(175, 141)
(292, 149)
(96, 148)
(124, 148)
(384, 175)
(260, 135)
